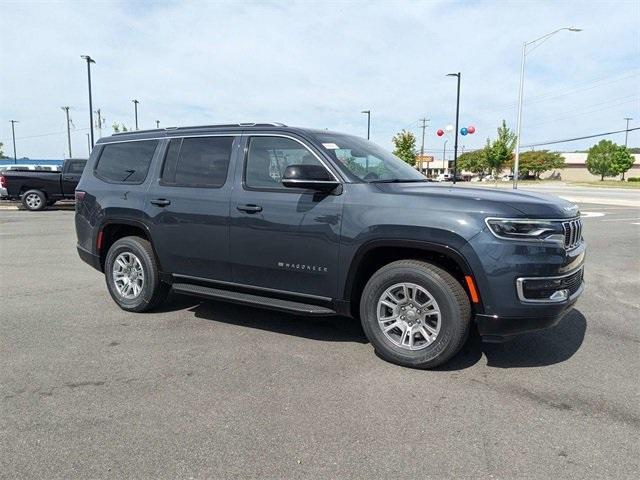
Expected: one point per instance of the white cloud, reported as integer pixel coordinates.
(317, 64)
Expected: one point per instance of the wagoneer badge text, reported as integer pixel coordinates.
(302, 267)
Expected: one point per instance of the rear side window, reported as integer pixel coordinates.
(126, 162)
(76, 167)
(197, 162)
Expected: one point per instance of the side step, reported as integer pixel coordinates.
(249, 299)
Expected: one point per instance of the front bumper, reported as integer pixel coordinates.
(494, 328)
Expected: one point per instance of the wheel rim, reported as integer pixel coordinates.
(128, 275)
(409, 316)
(33, 200)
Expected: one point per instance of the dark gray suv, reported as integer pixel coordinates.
(322, 223)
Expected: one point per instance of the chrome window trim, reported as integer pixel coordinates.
(520, 287)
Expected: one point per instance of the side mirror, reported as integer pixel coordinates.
(313, 177)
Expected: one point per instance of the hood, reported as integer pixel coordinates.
(523, 203)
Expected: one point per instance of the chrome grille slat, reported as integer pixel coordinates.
(572, 233)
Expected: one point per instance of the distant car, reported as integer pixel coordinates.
(444, 177)
(507, 178)
(38, 187)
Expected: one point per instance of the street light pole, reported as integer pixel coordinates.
(455, 145)
(89, 62)
(157, 123)
(135, 104)
(516, 163)
(626, 131)
(368, 112)
(66, 110)
(13, 134)
(88, 145)
(444, 153)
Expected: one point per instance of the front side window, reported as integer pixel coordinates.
(365, 161)
(126, 162)
(197, 162)
(268, 157)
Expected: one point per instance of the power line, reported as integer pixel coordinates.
(552, 142)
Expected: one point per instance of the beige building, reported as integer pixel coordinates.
(575, 169)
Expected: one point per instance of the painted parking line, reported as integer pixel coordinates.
(621, 219)
(591, 214)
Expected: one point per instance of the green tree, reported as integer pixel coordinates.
(600, 160)
(405, 143)
(1, 150)
(500, 151)
(474, 162)
(622, 160)
(119, 127)
(539, 161)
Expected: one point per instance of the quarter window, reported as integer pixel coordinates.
(126, 162)
(268, 157)
(197, 162)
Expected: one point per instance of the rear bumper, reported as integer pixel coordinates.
(494, 328)
(88, 257)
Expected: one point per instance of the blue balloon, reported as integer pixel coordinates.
(464, 130)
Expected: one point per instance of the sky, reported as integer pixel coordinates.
(319, 64)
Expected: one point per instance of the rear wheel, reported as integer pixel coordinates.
(132, 275)
(34, 200)
(415, 314)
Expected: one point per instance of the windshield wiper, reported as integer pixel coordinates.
(399, 180)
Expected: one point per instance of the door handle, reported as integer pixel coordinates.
(249, 208)
(161, 202)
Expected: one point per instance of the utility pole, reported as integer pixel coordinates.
(88, 145)
(99, 123)
(89, 62)
(66, 110)
(455, 145)
(424, 121)
(368, 112)
(157, 123)
(135, 104)
(13, 134)
(626, 132)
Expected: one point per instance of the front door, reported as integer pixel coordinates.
(282, 238)
(71, 176)
(188, 207)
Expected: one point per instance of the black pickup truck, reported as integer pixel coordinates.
(40, 189)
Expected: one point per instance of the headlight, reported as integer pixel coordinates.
(526, 229)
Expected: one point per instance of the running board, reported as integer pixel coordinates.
(255, 300)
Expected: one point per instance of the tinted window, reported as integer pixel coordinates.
(76, 167)
(197, 162)
(268, 157)
(126, 162)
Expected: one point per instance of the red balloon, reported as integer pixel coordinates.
(440, 132)
(471, 129)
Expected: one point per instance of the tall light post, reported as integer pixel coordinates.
(66, 110)
(516, 163)
(13, 134)
(368, 112)
(135, 106)
(444, 153)
(626, 131)
(455, 145)
(157, 123)
(88, 144)
(89, 62)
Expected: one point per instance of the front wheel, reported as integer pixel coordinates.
(132, 275)
(415, 314)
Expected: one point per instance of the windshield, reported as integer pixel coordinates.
(365, 161)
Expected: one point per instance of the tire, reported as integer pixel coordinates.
(34, 200)
(137, 254)
(446, 331)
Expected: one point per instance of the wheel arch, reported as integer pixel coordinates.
(113, 229)
(375, 254)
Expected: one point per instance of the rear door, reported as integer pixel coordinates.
(188, 206)
(283, 238)
(71, 176)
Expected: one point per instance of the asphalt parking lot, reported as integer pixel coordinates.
(202, 389)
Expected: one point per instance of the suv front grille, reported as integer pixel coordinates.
(572, 233)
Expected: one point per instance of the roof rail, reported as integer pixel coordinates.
(198, 127)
